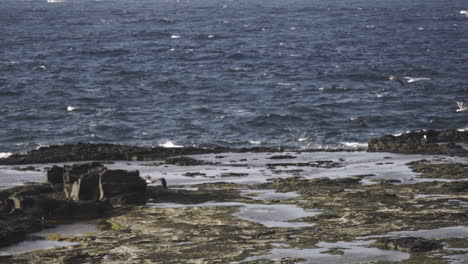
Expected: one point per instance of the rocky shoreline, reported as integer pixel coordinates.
(134, 228)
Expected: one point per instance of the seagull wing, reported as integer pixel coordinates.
(461, 104)
(401, 82)
(415, 79)
(362, 123)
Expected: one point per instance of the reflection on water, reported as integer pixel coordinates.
(75, 229)
(272, 215)
(353, 252)
(444, 232)
(27, 246)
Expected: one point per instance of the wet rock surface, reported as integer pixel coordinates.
(423, 142)
(411, 244)
(103, 152)
(444, 170)
(359, 206)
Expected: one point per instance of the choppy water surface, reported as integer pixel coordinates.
(227, 72)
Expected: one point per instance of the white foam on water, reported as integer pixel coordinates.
(71, 108)
(5, 154)
(355, 144)
(170, 144)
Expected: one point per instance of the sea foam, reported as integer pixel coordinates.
(5, 154)
(170, 144)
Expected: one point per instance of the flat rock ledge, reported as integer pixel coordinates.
(448, 142)
(90, 151)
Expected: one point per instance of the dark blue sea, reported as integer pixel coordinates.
(235, 73)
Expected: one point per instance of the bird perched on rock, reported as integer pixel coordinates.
(424, 140)
(357, 119)
(461, 106)
(396, 79)
(150, 180)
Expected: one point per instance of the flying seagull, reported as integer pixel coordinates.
(357, 119)
(163, 181)
(416, 79)
(396, 79)
(461, 106)
(464, 12)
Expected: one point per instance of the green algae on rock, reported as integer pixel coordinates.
(444, 170)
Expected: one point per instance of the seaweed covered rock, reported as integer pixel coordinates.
(183, 161)
(423, 142)
(453, 170)
(410, 244)
(55, 175)
(88, 151)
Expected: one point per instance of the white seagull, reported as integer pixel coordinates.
(461, 106)
(416, 79)
(464, 12)
(424, 140)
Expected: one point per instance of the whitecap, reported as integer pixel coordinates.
(255, 142)
(170, 144)
(71, 108)
(463, 129)
(302, 139)
(175, 36)
(399, 134)
(5, 154)
(354, 144)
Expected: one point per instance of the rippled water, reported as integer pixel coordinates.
(227, 72)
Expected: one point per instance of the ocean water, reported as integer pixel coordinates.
(234, 73)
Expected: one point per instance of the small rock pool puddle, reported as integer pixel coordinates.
(271, 215)
(38, 241)
(350, 252)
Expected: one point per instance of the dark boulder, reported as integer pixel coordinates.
(86, 187)
(128, 185)
(55, 175)
(72, 173)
